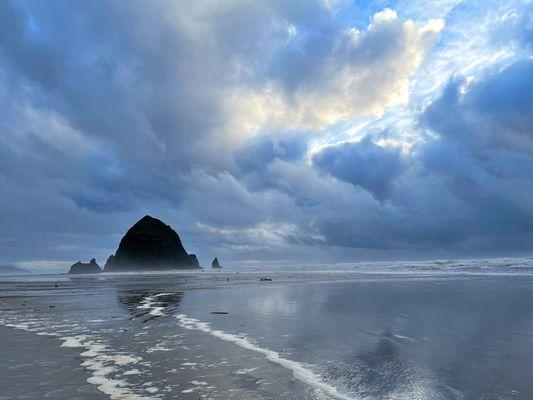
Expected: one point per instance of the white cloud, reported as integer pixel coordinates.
(362, 74)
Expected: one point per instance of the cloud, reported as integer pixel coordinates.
(516, 28)
(258, 152)
(36, 60)
(362, 163)
(338, 73)
(464, 190)
(232, 122)
(494, 112)
(484, 149)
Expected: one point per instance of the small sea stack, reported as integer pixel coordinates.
(193, 260)
(215, 264)
(91, 267)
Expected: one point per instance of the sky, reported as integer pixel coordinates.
(267, 132)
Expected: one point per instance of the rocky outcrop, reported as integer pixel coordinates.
(215, 263)
(91, 267)
(193, 260)
(150, 244)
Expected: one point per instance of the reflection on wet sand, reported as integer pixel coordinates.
(379, 372)
(145, 305)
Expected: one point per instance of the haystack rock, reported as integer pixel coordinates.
(216, 264)
(150, 245)
(91, 267)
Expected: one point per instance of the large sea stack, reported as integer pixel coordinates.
(150, 244)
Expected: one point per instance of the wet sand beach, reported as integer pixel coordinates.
(435, 331)
(37, 367)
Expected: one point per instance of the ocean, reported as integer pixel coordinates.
(420, 330)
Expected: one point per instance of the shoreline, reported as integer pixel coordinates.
(164, 336)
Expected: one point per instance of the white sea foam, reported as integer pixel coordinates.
(102, 364)
(151, 303)
(73, 341)
(23, 326)
(199, 383)
(100, 360)
(132, 372)
(245, 371)
(406, 338)
(300, 371)
(158, 347)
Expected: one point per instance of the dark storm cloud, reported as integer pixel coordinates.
(363, 163)
(260, 151)
(495, 113)
(104, 113)
(105, 78)
(485, 150)
(36, 60)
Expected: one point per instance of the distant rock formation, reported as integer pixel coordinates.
(150, 244)
(91, 267)
(215, 263)
(12, 270)
(193, 260)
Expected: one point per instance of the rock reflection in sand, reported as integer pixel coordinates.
(148, 305)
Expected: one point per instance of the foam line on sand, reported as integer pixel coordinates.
(300, 371)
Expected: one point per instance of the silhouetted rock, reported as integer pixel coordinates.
(91, 267)
(193, 260)
(215, 263)
(150, 244)
(110, 260)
